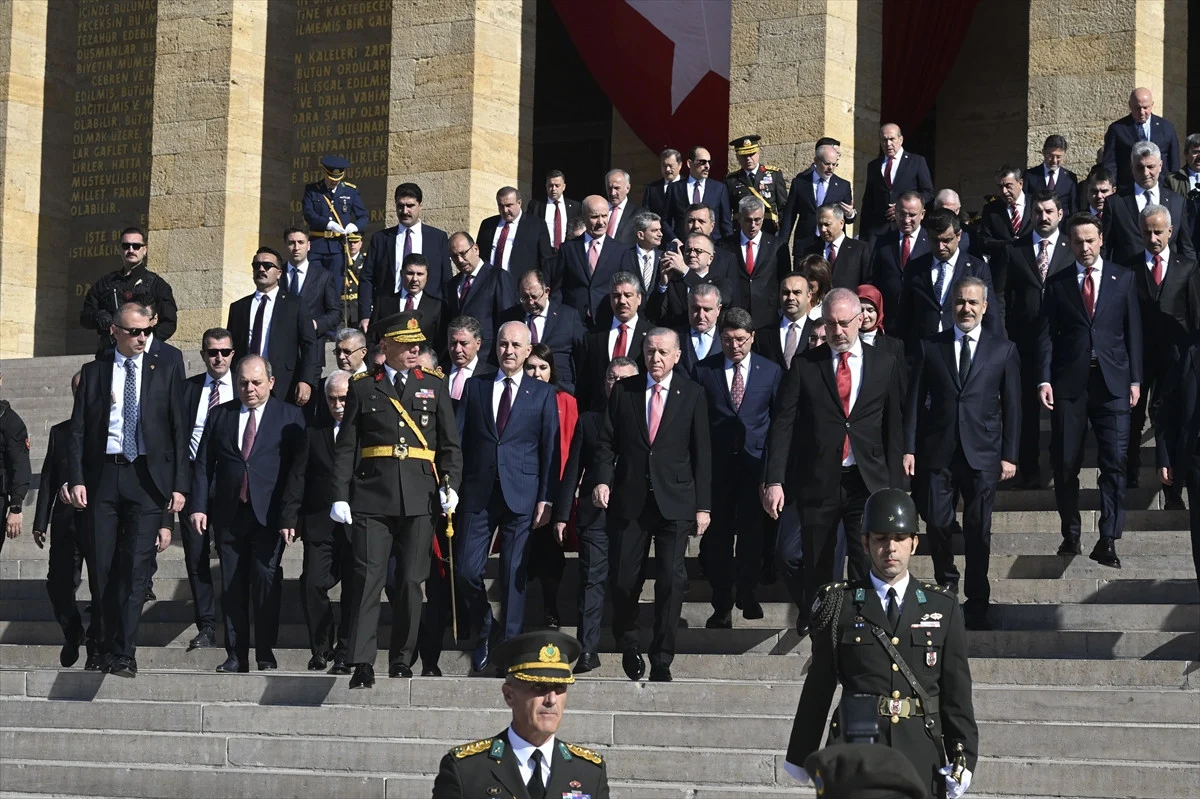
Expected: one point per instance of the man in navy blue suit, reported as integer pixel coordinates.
(1090, 350)
(550, 323)
(1122, 212)
(699, 188)
(896, 248)
(812, 188)
(587, 264)
(657, 196)
(480, 290)
(961, 433)
(320, 290)
(510, 450)
(1051, 175)
(1140, 125)
(740, 389)
(245, 456)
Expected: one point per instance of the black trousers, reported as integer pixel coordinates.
(630, 548)
(68, 553)
(593, 578)
(978, 489)
(437, 612)
(818, 535)
(547, 562)
(372, 539)
(197, 559)
(1193, 489)
(328, 560)
(1148, 405)
(251, 577)
(737, 517)
(1030, 448)
(124, 512)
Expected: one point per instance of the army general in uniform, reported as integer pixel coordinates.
(396, 462)
(527, 760)
(755, 180)
(333, 210)
(903, 643)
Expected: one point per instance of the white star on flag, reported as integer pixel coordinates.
(699, 29)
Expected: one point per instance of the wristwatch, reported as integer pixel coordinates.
(14, 509)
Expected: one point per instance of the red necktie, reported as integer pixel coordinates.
(749, 257)
(464, 290)
(843, 386)
(905, 251)
(247, 446)
(1158, 270)
(619, 347)
(1089, 292)
(738, 390)
(498, 256)
(832, 257)
(887, 173)
(408, 303)
(1016, 220)
(656, 410)
(214, 396)
(557, 225)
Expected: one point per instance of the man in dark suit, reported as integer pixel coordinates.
(274, 324)
(644, 259)
(556, 209)
(320, 290)
(1051, 175)
(654, 477)
(1177, 431)
(889, 176)
(849, 259)
(512, 240)
(1186, 183)
(511, 451)
(385, 253)
(128, 465)
(699, 338)
(699, 261)
(949, 199)
(238, 482)
(621, 212)
(1122, 226)
(1007, 217)
(1091, 372)
(550, 323)
(893, 250)
(586, 265)
(1140, 126)
(960, 435)
(812, 188)
(780, 342)
(579, 476)
(1028, 262)
(759, 261)
(480, 290)
(413, 296)
(464, 342)
(740, 389)
(835, 438)
(623, 336)
(657, 195)
(699, 188)
(1168, 289)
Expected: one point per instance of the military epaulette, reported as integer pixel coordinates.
(583, 753)
(361, 375)
(349, 184)
(770, 168)
(473, 748)
(937, 588)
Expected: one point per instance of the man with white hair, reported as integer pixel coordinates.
(621, 211)
(1122, 226)
(812, 188)
(1141, 125)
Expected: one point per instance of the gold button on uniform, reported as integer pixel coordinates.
(895, 719)
(895, 694)
(858, 640)
(895, 642)
(895, 667)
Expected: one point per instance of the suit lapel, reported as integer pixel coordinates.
(947, 350)
(826, 366)
(1061, 257)
(639, 405)
(509, 774)
(872, 609)
(149, 362)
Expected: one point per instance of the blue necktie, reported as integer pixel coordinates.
(820, 192)
(940, 285)
(129, 445)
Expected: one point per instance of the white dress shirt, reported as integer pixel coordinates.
(1139, 196)
(757, 243)
(645, 259)
(666, 384)
(881, 590)
(470, 372)
(116, 417)
(523, 751)
(587, 246)
(615, 331)
(1051, 174)
(1149, 258)
(1037, 244)
(539, 321)
(701, 342)
(224, 394)
(418, 239)
(952, 266)
(837, 245)
(618, 211)
(270, 312)
(959, 335)
(501, 259)
(548, 218)
(745, 365)
(895, 165)
(855, 364)
(498, 390)
(416, 298)
(244, 419)
(784, 324)
(1018, 206)
(693, 182)
(1096, 282)
(301, 270)
(391, 375)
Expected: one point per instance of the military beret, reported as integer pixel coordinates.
(543, 656)
(863, 771)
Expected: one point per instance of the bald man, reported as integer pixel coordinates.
(586, 265)
(1142, 124)
(894, 172)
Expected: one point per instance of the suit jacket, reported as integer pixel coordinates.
(757, 293)
(563, 333)
(1170, 312)
(995, 225)
(800, 213)
(687, 353)
(309, 490)
(1068, 337)
(1123, 134)
(680, 472)
(55, 472)
(1023, 286)
(767, 341)
(1123, 241)
(738, 437)
(379, 272)
(434, 318)
(479, 768)
(887, 272)
(530, 245)
(656, 198)
(537, 210)
(851, 268)
(1177, 426)
(633, 263)
(492, 291)
(589, 388)
(162, 422)
(912, 174)
(625, 232)
(809, 427)
(982, 415)
(920, 314)
(1180, 183)
(1066, 186)
(894, 347)
(322, 297)
(715, 196)
(578, 473)
(219, 467)
(577, 286)
(525, 458)
(291, 343)
(669, 307)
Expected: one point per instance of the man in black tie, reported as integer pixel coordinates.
(550, 323)
(960, 434)
(657, 196)
(1052, 176)
(780, 342)
(556, 210)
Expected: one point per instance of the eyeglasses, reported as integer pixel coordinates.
(695, 251)
(215, 351)
(844, 325)
(737, 341)
(131, 245)
(136, 332)
(700, 161)
(347, 352)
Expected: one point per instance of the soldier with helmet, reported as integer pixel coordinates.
(333, 210)
(898, 644)
(755, 180)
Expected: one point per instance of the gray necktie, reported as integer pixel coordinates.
(129, 413)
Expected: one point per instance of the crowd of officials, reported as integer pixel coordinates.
(721, 360)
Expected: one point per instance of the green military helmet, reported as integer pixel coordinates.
(889, 510)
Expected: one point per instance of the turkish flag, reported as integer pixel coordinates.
(664, 65)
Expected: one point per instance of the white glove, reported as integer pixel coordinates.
(796, 772)
(351, 228)
(340, 512)
(448, 498)
(335, 227)
(955, 789)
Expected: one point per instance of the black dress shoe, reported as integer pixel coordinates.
(977, 620)
(202, 640)
(267, 662)
(400, 670)
(802, 629)
(1070, 546)
(234, 666)
(364, 676)
(431, 671)
(150, 597)
(1105, 553)
(123, 666)
(340, 666)
(69, 655)
(1171, 502)
(95, 660)
(720, 620)
(1031, 482)
(660, 673)
(588, 661)
(752, 610)
(481, 657)
(317, 663)
(551, 621)
(634, 664)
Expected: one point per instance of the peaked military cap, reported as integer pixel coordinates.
(403, 327)
(746, 145)
(543, 656)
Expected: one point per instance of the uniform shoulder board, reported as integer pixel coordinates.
(361, 375)
(348, 184)
(825, 593)
(585, 754)
(936, 589)
(473, 748)
(770, 168)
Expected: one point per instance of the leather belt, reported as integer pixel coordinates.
(399, 451)
(121, 460)
(908, 707)
(323, 234)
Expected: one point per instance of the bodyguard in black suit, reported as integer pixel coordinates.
(760, 260)
(1028, 262)
(835, 438)
(849, 259)
(1122, 220)
(550, 323)
(587, 264)
(1177, 431)
(480, 290)
(413, 296)
(894, 250)
(272, 323)
(700, 260)
(320, 290)
(654, 476)
(555, 210)
(387, 248)
(699, 187)
(780, 342)
(1051, 175)
(601, 346)
(657, 195)
(526, 243)
(1124, 134)
(1007, 217)
(128, 468)
(889, 176)
(1091, 371)
(960, 435)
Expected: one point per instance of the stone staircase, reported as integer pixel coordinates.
(1085, 689)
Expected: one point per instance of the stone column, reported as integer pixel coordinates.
(462, 104)
(803, 69)
(206, 183)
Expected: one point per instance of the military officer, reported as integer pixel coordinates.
(15, 471)
(753, 179)
(527, 759)
(353, 274)
(396, 460)
(903, 643)
(333, 210)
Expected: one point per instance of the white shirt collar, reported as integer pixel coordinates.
(837, 243)
(523, 750)
(899, 154)
(542, 314)
(391, 373)
(1019, 202)
(469, 367)
(500, 376)
(973, 335)
(757, 240)
(817, 177)
(1166, 255)
(362, 367)
(260, 408)
(631, 324)
(641, 254)
(301, 267)
(666, 381)
(415, 228)
(881, 588)
(209, 379)
(1052, 238)
(1098, 266)
(701, 181)
(784, 322)
(120, 359)
(855, 351)
(745, 364)
(588, 238)
(258, 295)
(1139, 191)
